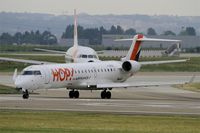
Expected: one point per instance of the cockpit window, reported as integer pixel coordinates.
(92, 56)
(84, 56)
(37, 72)
(87, 56)
(95, 56)
(31, 73)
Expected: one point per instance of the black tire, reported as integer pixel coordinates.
(108, 94)
(25, 95)
(76, 94)
(103, 94)
(71, 94)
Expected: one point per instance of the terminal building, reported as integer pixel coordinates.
(187, 41)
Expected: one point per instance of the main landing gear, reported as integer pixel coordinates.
(105, 94)
(73, 94)
(25, 94)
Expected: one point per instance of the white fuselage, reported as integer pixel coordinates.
(73, 75)
(80, 54)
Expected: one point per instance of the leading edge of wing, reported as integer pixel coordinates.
(52, 51)
(25, 61)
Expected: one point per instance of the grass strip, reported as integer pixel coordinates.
(73, 122)
(8, 90)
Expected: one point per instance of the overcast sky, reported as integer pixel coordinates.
(150, 7)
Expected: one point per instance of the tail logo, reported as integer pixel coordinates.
(136, 50)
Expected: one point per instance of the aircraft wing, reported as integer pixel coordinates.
(142, 84)
(162, 62)
(25, 61)
(52, 51)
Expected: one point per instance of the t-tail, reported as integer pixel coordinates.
(135, 49)
(137, 40)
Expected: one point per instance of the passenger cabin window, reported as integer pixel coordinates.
(31, 73)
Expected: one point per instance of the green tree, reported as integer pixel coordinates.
(113, 30)
(48, 38)
(6, 38)
(130, 31)
(18, 38)
(103, 30)
(93, 34)
(119, 30)
(68, 32)
(169, 32)
(151, 32)
(189, 31)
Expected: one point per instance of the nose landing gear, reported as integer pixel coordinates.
(25, 94)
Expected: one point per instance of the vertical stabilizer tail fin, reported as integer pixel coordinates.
(14, 75)
(75, 30)
(135, 49)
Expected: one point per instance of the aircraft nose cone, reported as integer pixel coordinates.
(20, 82)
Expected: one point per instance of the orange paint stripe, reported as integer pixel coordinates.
(136, 47)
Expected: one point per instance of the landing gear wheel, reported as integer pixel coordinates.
(71, 94)
(103, 94)
(25, 94)
(108, 94)
(76, 94)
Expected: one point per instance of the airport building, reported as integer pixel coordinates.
(187, 41)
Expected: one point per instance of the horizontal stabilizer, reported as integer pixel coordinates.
(149, 40)
(162, 62)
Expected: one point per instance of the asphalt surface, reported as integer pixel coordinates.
(164, 100)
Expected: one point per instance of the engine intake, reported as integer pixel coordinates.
(130, 66)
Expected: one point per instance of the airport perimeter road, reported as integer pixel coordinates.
(148, 100)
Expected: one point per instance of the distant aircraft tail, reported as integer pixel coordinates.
(135, 49)
(75, 30)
